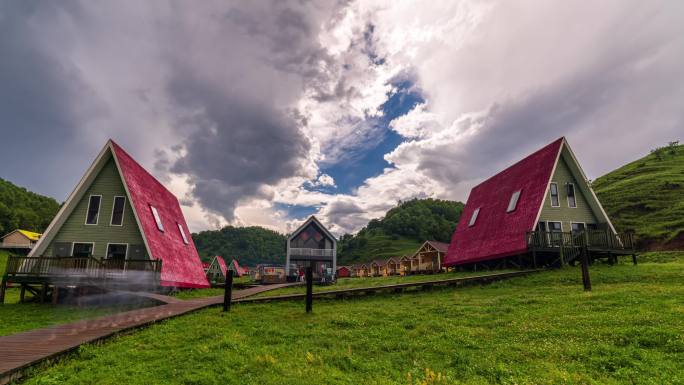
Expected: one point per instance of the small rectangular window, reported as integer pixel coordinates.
(93, 213)
(572, 202)
(555, 227)
(117, 251)
(157, 219)
(473, 218)
(118, 211)
(513, 203)
(182, 233)
(82, 250)
(554, 195)
(577, 227)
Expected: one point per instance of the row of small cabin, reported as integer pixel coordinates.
(428, 259)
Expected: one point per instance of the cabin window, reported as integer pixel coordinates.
(572, 202)
(157, 219)
(118, 211)
(182, 233)
(473, 218)
(554, 195)
(93, 209)
(577, 227)
(513, 203)
(82, 249)
(117, 251)
(555, 227)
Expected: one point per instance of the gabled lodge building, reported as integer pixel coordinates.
(539, 211)
(119, 227)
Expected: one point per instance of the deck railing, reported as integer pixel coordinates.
(304, 252)
(81, 268)
(592, 239)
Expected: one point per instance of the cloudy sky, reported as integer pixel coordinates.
(258, 113)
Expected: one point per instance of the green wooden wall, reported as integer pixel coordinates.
(564, 213)
(108, 184)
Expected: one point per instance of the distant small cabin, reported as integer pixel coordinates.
(20, 239)
(360, 270)
(344, 272)
(216, 272)
(312, 245)
(539, 211)
(393, 266)
(429, 258)
(378, 268)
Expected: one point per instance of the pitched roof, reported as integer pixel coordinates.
(343, 267)
(303, 226)
(28, 234)
(497, 233)
(181, 265)
(440, 246)
(379, 262)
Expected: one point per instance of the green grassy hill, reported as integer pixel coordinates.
(402, 230)
(647, 197)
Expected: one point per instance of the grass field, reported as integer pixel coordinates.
(540, 329)
(350, 283)
(214, 291)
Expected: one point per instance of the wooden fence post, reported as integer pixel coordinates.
(309, 289)
(228, 291)
(586, 280)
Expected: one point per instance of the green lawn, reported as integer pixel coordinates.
(3, 261)
(540, 329)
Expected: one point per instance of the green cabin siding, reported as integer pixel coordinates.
(108, 184)
(566, 214)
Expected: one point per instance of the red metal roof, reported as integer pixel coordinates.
(222, 265)
(497, 233)
(181, 265)
(440, 246)
(237, 269)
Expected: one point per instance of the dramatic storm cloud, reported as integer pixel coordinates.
(263, 113)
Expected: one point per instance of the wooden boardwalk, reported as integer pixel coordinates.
(22, 350)
(19, 351)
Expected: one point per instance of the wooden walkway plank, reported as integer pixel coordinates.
(21, 350)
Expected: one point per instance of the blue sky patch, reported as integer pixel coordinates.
(351, 173)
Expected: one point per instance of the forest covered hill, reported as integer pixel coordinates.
(647, 197)
(402, 230)
(23, 209)
(249, 245)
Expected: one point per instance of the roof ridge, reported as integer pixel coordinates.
(562, 138)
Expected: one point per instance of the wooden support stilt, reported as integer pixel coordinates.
(3, 287)
(22, 293)
(634, 259)
(43, 292)
(55, 294)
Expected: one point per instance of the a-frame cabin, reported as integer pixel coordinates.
(217, 270)
(539, 211)
(119, 226)
(312, 245)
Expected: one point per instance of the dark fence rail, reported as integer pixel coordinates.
(81, 267)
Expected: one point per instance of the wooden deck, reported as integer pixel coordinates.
(19, 351)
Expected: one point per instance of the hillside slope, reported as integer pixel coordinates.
(647, 197)
(23, 209)
(251, 245)
(402, 230)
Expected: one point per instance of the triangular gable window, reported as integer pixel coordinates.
(473, 218)
(513, 203)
